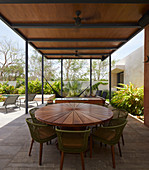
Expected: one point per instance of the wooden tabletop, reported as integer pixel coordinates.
(73, 114)
(90, 100)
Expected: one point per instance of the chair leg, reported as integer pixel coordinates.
(100, 144)
(6, 109)
(40, 154)
(30, 150)
(62, 160)
(85, 153)
(122, 139)
(119, 148)
(113, 155)
(82, 160)
(91, 146)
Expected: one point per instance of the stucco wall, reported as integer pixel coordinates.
(134, 68)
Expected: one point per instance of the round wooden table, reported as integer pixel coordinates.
(73, 114)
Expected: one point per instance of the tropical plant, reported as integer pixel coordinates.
(1, 98)
(5, 88)
(129, 98)
(95, 86)
(56, 86)
(73, 88)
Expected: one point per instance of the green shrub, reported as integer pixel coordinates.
(129, 98)
(95, 86)
(1, 98)
(20, 82)
(21, 90)
(5, 88)
(73, 88)
(36, 87)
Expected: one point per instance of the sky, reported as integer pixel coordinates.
(129, 47)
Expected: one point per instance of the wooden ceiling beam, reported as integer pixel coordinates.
(76, 48)
(73, 54)
(72, 1)
(77, 40)
(62, 25)
(144, 20)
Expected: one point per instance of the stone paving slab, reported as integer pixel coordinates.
(15, 142)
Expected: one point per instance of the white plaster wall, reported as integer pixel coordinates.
(13, 83)
(134, 68)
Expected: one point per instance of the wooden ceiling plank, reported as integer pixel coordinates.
(72, 1)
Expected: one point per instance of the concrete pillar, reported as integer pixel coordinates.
(146, 77)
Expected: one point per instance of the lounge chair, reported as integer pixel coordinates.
(11, 100)
(31, 98)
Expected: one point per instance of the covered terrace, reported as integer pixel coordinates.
(84, 30)
(78, 29)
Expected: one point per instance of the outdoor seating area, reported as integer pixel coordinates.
(59, 106)
(15, 143)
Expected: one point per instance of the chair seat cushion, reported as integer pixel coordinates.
(73, 141)
(46, 132)
(104, 134)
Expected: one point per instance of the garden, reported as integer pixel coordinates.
(129, 98)
(126, 97)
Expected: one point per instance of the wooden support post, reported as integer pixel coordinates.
(146, 77)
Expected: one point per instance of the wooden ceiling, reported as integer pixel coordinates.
(52, 25)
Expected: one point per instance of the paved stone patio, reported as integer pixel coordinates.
(15, 141)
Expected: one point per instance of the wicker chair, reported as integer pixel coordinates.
(40, 133)
(119, 113)
(110, 135)
(72, 142)
(32, 114)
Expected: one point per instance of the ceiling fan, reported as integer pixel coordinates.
(78, 19)
(76, 54)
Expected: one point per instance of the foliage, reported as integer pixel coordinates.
(20, 82)
(129, 98)
(56, 86)
(76, 69)
(33, 87)
(95, 86)
(73, 88)
(1, 98)
(5, 88)
(21, 90)
(36, 86)
(100, 69)
(11, 63)
(51, 67)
